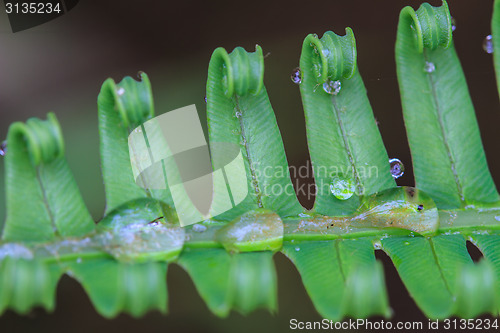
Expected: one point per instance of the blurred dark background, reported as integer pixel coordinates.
(60, 66)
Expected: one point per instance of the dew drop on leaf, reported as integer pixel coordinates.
(332, 87)
(488, 44)
(120, 91)
(453, 24)
(143, 242)
(3, 148)
(15, 250)
(205, 98)
(199, 228)
(497, 218)
(135, 231)
(397, 168)
(342, 188)
(297, 248)
(256, 230)
(296, 76)
(429, 67)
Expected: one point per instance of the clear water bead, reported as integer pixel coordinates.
(342, 188)
(261, 228)
(453, 24)
(332, 87)
(199, 228)
(488, 44)
(429, 67)
(296, 76)
(120, 91)
(397, 167)
(15, 250)
(3, 148)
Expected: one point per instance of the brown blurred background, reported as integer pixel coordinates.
(60, 66)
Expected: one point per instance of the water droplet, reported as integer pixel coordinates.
(497, 218)
(3, 148)
(332, 87)
(397, 168)
(488, 44)
(407, 243)
(199, 228)
(429, 67)
(453, 24)
(297, 248)
(128, 234)
(15, 250)
(238, 114)
(377, 245)
(120, 91)
(342, 188)
(140, 242)
(296, 76)
(261, 228)
(205, 98)
(79, 260)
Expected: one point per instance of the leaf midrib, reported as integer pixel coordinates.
(346, 144)
(46, 201)
(431, 243)
(443, 132)
(254, 181)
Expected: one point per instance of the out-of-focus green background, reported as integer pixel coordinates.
(59, 66)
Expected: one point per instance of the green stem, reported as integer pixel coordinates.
(296, 228)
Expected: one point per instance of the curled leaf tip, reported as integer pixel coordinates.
(431, 25)
(333, 56)
(241, 72)
(133, 98)
(43, 138)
